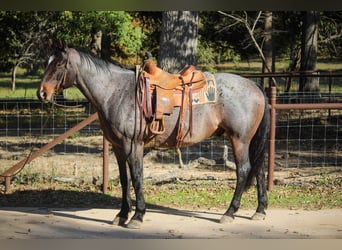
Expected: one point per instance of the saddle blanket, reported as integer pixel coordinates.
(207, 94)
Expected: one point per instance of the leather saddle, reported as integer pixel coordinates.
(162, 91)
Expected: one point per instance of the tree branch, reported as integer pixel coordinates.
(251, 34)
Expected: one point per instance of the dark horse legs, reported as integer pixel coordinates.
(133, 157)
(126, 204)
(262, 194)
(243, 170)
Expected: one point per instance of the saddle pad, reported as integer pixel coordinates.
(206, 94)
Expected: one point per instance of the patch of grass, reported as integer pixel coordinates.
(199, 194)
(305, 198)
(211, 194)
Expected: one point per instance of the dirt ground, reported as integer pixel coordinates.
(162, 222)
(76, 223)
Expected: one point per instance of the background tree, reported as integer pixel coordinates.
(251, 25)
(267, 48)
(178, 41)
(26, 33)
(330, 34)
(23, 33)
(309, 51)
(205, 38)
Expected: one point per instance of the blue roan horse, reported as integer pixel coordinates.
(240, 113)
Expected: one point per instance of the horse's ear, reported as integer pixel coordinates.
(148, 55)
(62, 45)
(50, 43)
(57, 44)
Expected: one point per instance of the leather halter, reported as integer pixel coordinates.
(60, 83)
(64, 68)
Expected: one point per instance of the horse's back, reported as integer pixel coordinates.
(237, 89)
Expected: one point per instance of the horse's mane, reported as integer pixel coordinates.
(99, 63)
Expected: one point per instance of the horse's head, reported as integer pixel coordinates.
(59, 73)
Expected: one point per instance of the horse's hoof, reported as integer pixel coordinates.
(258, 216)
(119, 221)
(134, 224)
(225, 219)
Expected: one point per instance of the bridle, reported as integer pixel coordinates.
(61, 71)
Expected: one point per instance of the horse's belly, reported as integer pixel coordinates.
(204, 124)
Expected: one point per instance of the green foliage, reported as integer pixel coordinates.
(209, 55)
(329, 41)
(150, 23)
(126, 37)
(26, 33)
(221, 39)
(206, 56)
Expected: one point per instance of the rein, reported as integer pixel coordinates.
(55, 104)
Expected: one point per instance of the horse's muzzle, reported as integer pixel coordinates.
(46, 92)
(41, 95)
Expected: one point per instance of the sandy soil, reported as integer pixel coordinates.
(54, 223)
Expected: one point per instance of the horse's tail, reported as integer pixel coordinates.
(259, 144)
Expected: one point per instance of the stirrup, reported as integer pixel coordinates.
(157, 126)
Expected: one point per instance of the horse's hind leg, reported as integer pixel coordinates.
(262, 195)
(243, 168)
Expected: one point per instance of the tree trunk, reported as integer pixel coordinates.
(309, 52)
(14, 73)
(178, 41)
(268, 65)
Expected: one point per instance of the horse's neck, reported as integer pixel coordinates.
(100, 86)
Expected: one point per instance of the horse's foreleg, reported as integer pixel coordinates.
(126, 204)
(135, 162)
(243, 169)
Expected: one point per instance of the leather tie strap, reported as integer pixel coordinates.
(148, 111)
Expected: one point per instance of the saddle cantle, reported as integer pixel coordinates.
(161, 91)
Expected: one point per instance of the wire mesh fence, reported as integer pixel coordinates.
(304, 138)
(308, 138)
